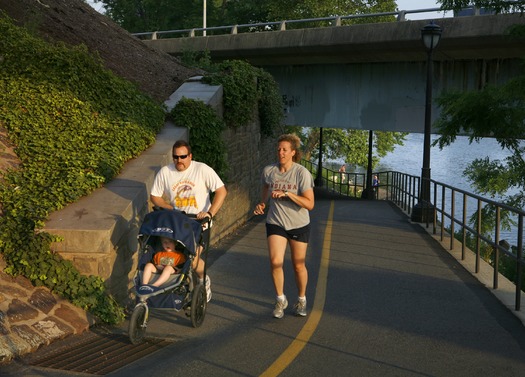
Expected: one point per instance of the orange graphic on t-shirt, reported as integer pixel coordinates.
(184, 198)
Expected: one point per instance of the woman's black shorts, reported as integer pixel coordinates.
(299, 234)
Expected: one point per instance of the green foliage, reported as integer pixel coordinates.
(270, 103)
(205, 128)
(200, 59)
(497, 112)
(303, 9)
(239, 80)
(74, 125)
(145, 15)
(246, 90)
(499, 6)
(347, 144)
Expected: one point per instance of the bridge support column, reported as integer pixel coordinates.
(368, 192)
(319, 176)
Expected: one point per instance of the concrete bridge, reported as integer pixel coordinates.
(368, 76)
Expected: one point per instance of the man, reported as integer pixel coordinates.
(186, 185)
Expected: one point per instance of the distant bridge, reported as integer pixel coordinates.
(365, 76)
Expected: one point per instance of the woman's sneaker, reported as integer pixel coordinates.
(278, 312)
(300, 308)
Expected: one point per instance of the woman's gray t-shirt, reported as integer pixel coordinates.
(284, 212)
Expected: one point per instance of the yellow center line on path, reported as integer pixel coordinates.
(311, 324)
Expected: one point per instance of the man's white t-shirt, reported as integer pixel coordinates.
(187, 190)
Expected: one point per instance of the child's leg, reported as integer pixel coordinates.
(149, 268)
(164, 276)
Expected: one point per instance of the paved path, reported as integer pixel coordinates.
(385, 299)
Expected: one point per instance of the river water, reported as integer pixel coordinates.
(447, 165)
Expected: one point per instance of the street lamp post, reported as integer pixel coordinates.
(423, 211)
(204, 11)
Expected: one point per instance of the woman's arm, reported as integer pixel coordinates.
(259, 208)
(305, 200)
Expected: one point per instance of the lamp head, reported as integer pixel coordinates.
(431, 34)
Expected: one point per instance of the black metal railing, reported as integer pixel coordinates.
(344, 183)
(452, 210)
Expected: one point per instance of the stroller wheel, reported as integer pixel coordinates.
(198, 305)
(138, 323)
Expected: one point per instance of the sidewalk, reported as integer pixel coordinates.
(394, 302)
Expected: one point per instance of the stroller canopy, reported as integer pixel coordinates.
(172, 224)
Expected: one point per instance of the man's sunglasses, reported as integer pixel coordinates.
(175, 157)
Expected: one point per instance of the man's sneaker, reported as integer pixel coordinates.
(208, 288)
(300, 308)
(278, 312)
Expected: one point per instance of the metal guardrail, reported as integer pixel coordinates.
(453, 209)
(281, 25)
(347, 183)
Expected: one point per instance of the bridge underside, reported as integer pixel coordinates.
(370, 76)
(377, 96)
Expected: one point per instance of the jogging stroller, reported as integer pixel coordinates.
(182, 291)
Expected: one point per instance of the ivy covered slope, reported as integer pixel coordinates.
(73, 125)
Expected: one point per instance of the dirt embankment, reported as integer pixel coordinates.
(75, 22)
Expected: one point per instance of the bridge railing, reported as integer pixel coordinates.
(455, 212)
(282, 25)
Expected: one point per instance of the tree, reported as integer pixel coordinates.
(346, 144)
(151, 15)
(499, 6)
(494, 111)
(302, 9)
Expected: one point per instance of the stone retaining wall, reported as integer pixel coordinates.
(100, 231)
(32, 316)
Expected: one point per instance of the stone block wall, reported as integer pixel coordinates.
(33, 316)
(248, 153)
(100, 231)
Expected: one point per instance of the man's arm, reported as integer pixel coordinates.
(160, 202)
(218, 200)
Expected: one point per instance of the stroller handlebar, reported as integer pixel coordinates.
(205, 220)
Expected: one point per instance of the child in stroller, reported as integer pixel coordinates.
(168, 242)
(166, 262)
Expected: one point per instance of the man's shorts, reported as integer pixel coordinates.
(299, 234)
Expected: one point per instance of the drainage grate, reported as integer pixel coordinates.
(93, 353)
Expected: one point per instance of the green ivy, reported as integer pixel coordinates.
(247, 89)
(270, 103)
(74, 124)
(239, 81)
(205, 128)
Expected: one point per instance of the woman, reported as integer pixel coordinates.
(289, 188)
